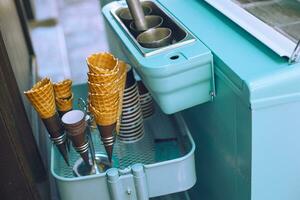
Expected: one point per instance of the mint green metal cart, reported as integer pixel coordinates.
(247, 136)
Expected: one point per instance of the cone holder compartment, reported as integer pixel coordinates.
(179, 75)
(165, 156)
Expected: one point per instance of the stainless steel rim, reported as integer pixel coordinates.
(157, 19)
(59, 140)
(147, 11)
(155, 37)
(82, 149)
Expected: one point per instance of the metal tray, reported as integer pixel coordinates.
(166, 154)
(181, 35)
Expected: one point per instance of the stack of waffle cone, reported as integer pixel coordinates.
(106, 81)
(103, 63)
(63, 96)
(41, 96)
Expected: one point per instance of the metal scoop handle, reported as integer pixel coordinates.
(137, 14)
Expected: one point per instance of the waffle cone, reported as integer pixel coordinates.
(104, 118)
(106, 107)
(102, 78)
(62, 90)
(64, 104)
(104, 102)
(102, 63)
(41, 96)
(103, 88)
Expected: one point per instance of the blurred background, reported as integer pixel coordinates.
(38, 38)
(66, 31)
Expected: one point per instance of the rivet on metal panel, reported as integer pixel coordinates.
(128, 191)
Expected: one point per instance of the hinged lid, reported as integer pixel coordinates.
(296, 54)
(274, 23)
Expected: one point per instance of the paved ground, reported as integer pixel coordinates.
(61, 49)
(84, 33)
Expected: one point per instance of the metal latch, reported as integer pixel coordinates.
(128, 185)
(295, 55)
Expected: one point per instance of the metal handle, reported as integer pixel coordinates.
(138, 15)
(140, 182)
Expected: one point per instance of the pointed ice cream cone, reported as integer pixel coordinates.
(75, 126)
(63, 96)
(106, 80)
(108, 138)
(57, 135)
(41, 96)
(106, 123)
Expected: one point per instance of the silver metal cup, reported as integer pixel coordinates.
(155, 38)
(126, 16)
(153, 21)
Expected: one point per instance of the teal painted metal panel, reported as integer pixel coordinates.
(275, 153)
(222, 132)
(247, 148)
(263, 77)
(247, 137)
(188, 79)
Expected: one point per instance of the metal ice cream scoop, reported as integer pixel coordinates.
(138, 15)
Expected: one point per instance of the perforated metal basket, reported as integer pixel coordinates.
(163, 161)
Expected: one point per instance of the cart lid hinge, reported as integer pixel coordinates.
(295, 57)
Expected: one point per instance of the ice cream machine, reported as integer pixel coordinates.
(226, 110)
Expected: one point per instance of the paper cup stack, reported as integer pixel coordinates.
(41, 96)
(63, 96)
(132, 126)
(106, 81)
(146, 100)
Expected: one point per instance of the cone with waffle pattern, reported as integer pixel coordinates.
(63, 96)
(106, 81)
(41, 96)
